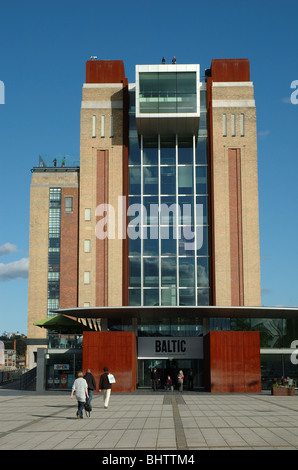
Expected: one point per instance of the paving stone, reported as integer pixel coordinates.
(146, 421)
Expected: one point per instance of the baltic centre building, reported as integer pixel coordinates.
(146, 253)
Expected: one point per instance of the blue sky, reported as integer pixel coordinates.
(44, 47)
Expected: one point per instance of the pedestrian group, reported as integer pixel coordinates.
(84, 385)
(83, 388)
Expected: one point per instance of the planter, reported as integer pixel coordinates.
(283, 391)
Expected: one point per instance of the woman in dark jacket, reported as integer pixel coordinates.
(91, 383)
(105, 386)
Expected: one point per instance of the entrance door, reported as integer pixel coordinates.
(170, 367)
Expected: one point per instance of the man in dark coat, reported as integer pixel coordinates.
(105, 386)
(155, 379)
(91, 383)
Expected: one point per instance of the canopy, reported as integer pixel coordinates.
(62, 324)
(185, 311)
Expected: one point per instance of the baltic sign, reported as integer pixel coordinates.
(169, 347)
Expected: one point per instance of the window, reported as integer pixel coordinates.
(187, 272)
(134, 296)
(150, 151)
(186, 296)
(242, 124)
(185, 180)
(168, 92)
(87, 214)
(168, 150)
(168, 296)
(201, 179)
(135, 271)
(169, 271)
(233, 121)
(201, 151)
(68, 204)
(135, 180)
(134, 152)
(185, 151)
(87, 246)
(168, 179)
(102, 126)
(203, 271)
(93, 126)
(151, 272)
(224, 125)
(150, 180)
(151, 297)
(112, 126)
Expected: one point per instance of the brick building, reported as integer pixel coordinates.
(153, 239)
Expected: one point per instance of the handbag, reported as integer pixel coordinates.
(88, 407)
(111, 378)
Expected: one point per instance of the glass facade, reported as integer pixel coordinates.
(169, 252)
(54, 249)
(168, 199)
(61, 370)
(170, 367)
(167, 92)
(277, 367)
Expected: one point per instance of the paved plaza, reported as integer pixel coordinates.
(147, 420)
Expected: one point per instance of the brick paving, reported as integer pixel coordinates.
(147, 420)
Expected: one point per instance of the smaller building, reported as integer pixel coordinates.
(10, 358)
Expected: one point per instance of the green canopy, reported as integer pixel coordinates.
(62, 324)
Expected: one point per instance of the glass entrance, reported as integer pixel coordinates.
(171, 367)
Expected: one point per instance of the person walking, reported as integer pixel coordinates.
(180, 380)
(91, 383)
(155, 379)
(190, 379)
(169, 383)
(80, 388)
(105, 386)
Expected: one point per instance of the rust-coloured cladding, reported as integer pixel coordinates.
(115, 350)
(230, 70)
(105, 71)
(232, 361)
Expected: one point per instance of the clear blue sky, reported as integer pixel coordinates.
(44, 47)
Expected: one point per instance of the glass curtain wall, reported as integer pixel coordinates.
(168, 92)
(54, 249)
(168, 222)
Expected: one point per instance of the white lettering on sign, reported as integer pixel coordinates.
(164, 347)
(170, 345)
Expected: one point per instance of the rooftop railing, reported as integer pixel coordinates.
(58, 162)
